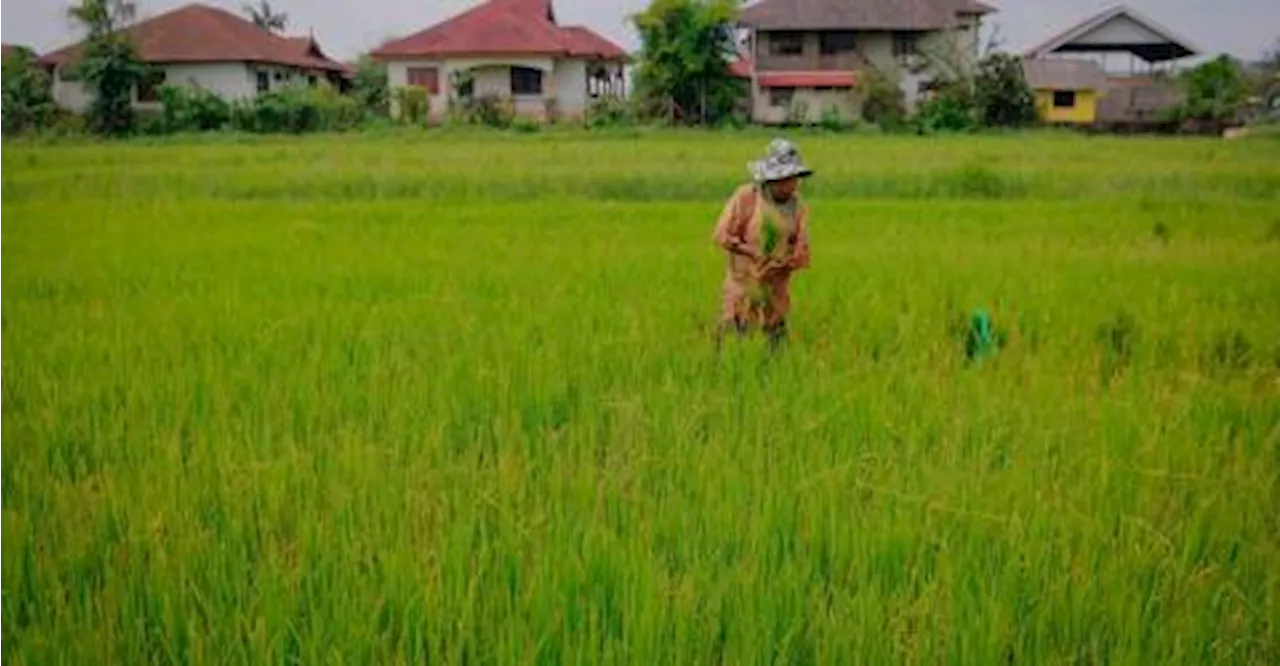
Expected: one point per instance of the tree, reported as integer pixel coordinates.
(1001, 93)
(1271, 60)
(109, 65)
(28, 93)
(683, 72)
(1215, 91)
(369, 85)
(266, 17)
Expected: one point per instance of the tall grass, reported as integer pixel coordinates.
(399, 400)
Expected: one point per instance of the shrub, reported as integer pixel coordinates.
(832, 119)
(489, 110)
(296, 110)
(882, 100)
(413, 104)
(28, 94)
(609, 112)
(1001, 95)
(945, 113)
(193, 109)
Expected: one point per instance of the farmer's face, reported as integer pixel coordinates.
(783, 190)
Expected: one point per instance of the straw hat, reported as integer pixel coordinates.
(781, 161)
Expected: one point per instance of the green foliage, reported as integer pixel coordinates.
(413, 104)
(488, 110)
(683, 70)
(28, 94)
(950, 109)
(297, 110)
(832, 119)
(1214, 91)
(193, 109)
(883, 103)
(370, 88)
(607, 112)
(109, 66)
(1001, 95)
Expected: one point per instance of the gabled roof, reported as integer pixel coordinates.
(1118, 29)
(199, 33)
(859, 14)
(1064, 74)
(503, 27)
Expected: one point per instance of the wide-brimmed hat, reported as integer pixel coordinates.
(781, 161)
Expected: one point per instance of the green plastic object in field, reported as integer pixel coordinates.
(981, 340)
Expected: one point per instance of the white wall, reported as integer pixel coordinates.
(231, 81)
(817, 101)
(564, 80)
(398, 74)
(571, 87)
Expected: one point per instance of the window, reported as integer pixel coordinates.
(68, 73)
(835, 43)
(149, 86)
(786, 44)
(264, 82)
(781, 96)
(426, 77)
(526, 81)
(904, 44)
(1064, 99)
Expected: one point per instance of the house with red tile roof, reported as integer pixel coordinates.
(201, 46)
(7, 49)
(804, 58)
(512, 49)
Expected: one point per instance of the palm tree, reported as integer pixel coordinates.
(266, 17)
(103, 17)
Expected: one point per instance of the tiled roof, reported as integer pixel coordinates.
(503, 27)
(199, 33)
(859, 14)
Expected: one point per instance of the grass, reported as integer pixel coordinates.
(452, 398)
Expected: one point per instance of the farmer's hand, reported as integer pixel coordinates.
(772, 266)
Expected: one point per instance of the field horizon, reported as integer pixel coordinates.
(453, 397)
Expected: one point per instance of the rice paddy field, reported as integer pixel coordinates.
(452, 398)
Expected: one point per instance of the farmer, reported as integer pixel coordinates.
(764, 228)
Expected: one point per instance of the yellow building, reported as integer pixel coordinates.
(1067, 90)
(1072, 90)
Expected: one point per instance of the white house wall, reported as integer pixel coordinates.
(565, 81)
(398, 74)
(232, 81)
(843, 100)
(571, 86)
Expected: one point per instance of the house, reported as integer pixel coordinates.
(1067, 91)
(198, 45)
(807, 56)
(1138, 89)
(514, 50)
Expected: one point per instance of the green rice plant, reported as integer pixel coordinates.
(320, 399)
